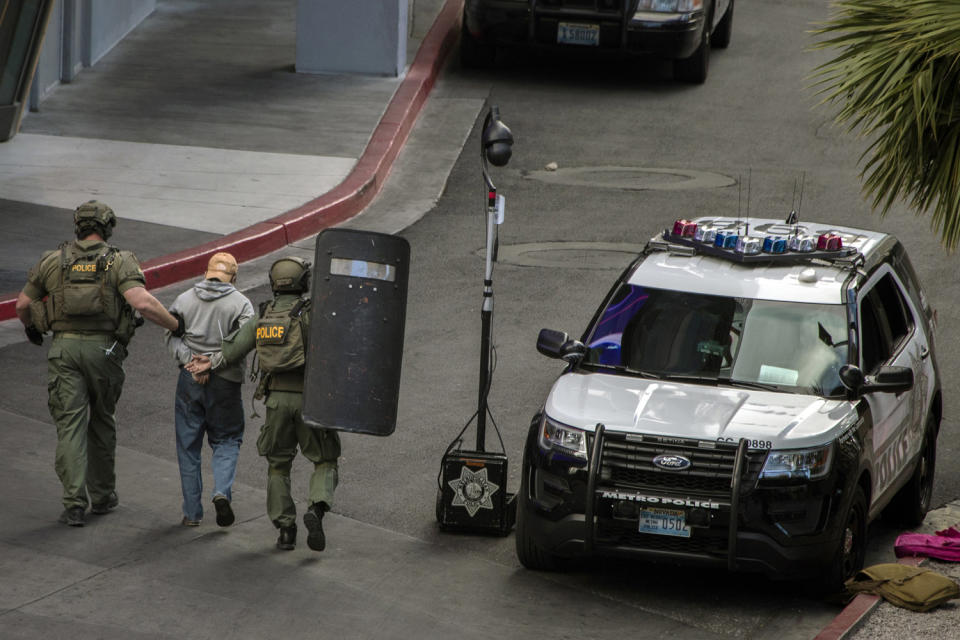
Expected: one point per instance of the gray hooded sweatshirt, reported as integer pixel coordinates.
(211, 310)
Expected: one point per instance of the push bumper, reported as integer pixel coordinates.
(577, 509)
(756, 553)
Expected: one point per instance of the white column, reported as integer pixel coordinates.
(352, 36)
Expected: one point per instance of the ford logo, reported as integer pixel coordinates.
(672, 462)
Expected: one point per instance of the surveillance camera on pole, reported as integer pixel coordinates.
(472, 495)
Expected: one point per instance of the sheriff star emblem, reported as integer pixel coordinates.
(472, 490)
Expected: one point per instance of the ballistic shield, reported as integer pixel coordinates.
(359, 303)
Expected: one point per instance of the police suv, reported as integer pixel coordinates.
(750, 394)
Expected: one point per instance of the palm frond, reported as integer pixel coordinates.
(895, 79)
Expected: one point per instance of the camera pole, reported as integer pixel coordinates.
(472, 485)
(495, 148)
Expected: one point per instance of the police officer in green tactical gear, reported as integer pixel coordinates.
(280, 335)
(91, 295)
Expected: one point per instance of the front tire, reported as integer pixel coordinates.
(531, 555)
(909, 507)
(693, 70)
(852, 547)
(474, 54)
(724, 30)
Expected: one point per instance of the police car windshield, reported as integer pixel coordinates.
(691, 337)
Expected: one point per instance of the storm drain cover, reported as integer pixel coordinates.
(633, 178)
(569, 255)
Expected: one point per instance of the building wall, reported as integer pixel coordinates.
(108, 21)
(79, 34)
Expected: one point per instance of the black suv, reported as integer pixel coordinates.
(678, 30)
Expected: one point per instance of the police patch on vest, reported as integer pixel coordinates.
(271, 334)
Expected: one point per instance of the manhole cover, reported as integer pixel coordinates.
(568, 255)
(633, 178)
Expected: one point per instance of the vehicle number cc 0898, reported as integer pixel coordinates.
(751, 444)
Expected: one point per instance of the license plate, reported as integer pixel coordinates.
(578, 33)
(664, 522)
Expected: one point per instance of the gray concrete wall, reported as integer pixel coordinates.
(80, 33)
(108, 21)
(359, 36)
(47, 74)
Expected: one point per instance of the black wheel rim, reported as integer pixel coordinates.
(851, 543)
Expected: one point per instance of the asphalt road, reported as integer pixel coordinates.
(754, 121)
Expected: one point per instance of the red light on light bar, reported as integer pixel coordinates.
(829, 242)
(684, 228)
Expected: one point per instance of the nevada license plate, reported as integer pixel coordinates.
(664, 522)
(578, 33)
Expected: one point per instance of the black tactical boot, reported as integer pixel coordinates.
(312, 520)
(73, 516)
(107, 505)
(288, 538)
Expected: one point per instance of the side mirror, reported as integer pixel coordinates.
(890, 380)
(557, 344)
(887, 379)
(852, 377)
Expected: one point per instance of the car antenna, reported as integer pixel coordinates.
(749, 181)
(739, 193)
(803, 182)
(792, 216)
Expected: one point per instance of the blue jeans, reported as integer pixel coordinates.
(214, 409)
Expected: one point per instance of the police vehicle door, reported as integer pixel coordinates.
(890, 335)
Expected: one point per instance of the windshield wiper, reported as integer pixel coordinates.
(621, 369)
(681, 377)
(746, 384)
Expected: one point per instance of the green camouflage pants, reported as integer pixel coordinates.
(282, 432)
(84, 382)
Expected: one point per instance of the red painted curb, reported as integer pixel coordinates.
(857, 610)
(346, 199)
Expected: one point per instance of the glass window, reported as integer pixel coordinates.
(886, 322)
(717, 339)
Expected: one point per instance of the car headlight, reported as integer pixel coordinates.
(559, 437)
(670, 6)
(798, 463)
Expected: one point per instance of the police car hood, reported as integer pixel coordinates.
(705, 412)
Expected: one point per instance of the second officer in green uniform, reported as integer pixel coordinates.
(280, 334)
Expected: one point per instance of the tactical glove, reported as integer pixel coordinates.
(181, 327)
(34, 335)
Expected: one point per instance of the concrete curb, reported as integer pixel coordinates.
(343, 201)
(858, 609)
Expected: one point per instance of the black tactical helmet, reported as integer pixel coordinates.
(291, 274)
(94, 216)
